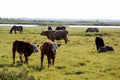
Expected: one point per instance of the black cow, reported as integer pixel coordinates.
(60, 28)
(16, 28)
(92, 30)
(49, 28)
(105, 48)
(99, 42)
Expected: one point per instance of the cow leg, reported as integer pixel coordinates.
(14, 55)
(22, 31)
(49, 60)
(15, 31)
(26, 59)
(65, 39)
(97, 47)
(53, 59)
(21, 58)
(19, 31)
(42, 57)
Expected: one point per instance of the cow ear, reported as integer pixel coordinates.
(59, 45)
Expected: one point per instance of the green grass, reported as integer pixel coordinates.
(77, 60)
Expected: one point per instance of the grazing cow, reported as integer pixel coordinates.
(60, 28)
(49, 49)
(92, 30)
(106, 48)
(24, 48)
(99, 42)
(56, 35)
(49, 28)
(16, 28)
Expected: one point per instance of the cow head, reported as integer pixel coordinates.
(54, 47)
(43, 33)
(35, 48)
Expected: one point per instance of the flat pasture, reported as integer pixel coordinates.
(76, 60)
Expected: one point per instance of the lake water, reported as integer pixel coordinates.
(24, 25)
(28, 25)
(94, 26)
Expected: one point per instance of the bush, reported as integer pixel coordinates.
(5, 74)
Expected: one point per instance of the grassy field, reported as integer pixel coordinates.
(77, 60)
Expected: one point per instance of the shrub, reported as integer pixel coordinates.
(5, 74)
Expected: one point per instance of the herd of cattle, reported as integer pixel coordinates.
(49, 48)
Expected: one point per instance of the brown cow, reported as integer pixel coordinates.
(49, 49)
(25, 48)
(56, 35)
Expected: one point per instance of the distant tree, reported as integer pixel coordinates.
(97, 20)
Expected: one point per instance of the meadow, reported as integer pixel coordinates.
(76, 60)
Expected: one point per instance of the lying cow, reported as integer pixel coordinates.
(105, 48)
(24, 48)
(49, 49)
(99, 42)
(56, 35)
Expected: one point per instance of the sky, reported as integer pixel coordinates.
(61, 9)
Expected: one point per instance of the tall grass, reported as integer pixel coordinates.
(77, 60)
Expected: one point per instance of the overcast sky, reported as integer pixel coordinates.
(61, 9)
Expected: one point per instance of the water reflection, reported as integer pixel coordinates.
(24, 25)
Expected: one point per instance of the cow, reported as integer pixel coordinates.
(105, 48)
(56, 35)
(99, 42)
(16, 28)
(49, 28)
(49, 49)
(60, 28)
(24, 48)
(92, 30)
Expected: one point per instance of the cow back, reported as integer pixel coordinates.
(22, 47)
(46, 48)
(92, 30)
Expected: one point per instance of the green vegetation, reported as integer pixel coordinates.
(55, 22)
(77, 60)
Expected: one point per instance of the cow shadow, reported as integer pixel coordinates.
(18, 65)
(3, 65)
(35, 67)
(60, 67)
(10, 65)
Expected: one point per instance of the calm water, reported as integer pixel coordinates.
(24, 25)
(28, 25)
(94, 26)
